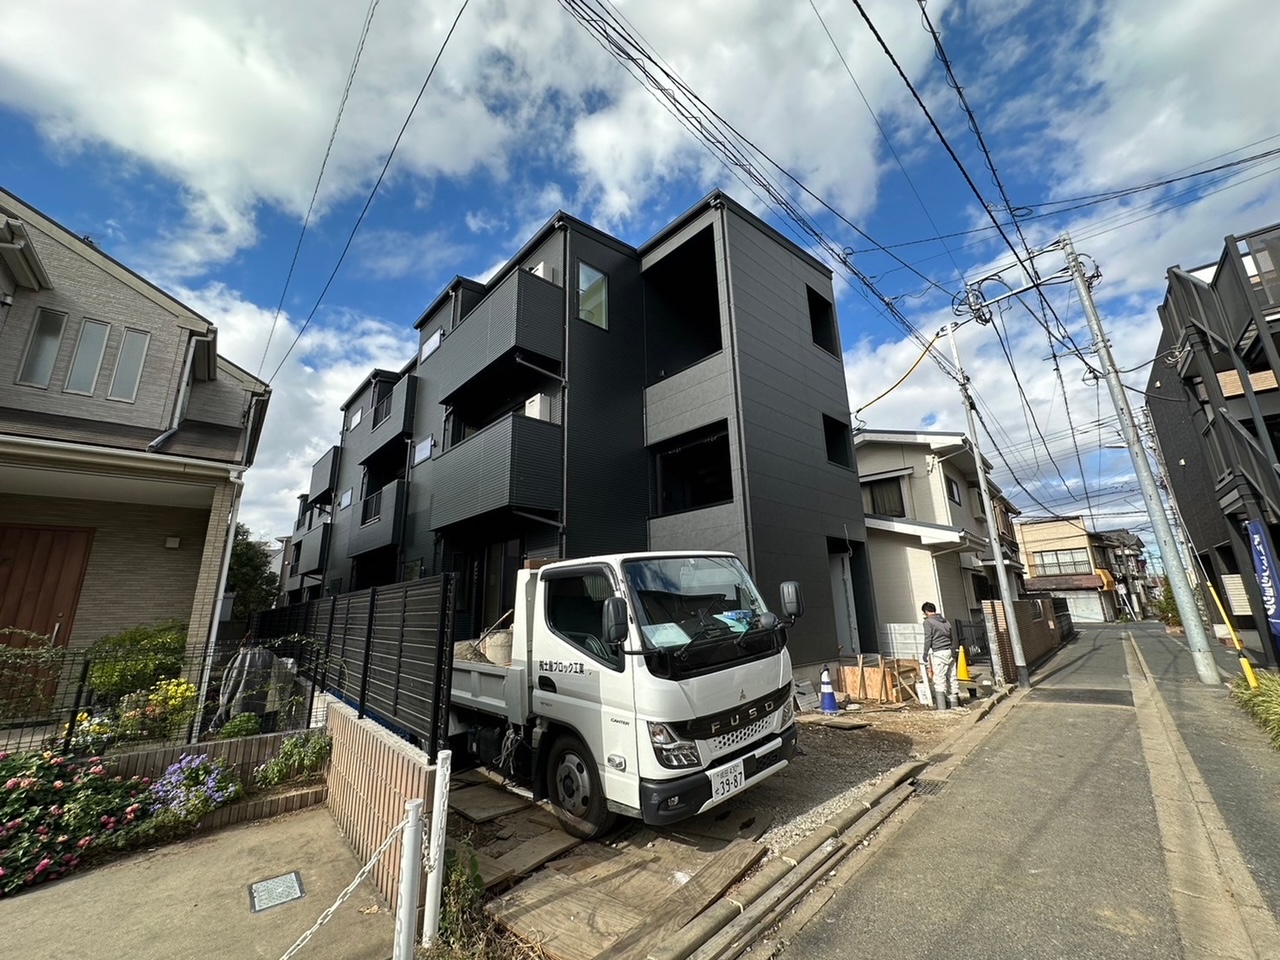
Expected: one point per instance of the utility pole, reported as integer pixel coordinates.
(993, 528)
(1175, 572)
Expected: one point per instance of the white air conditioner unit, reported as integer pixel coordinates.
(545, 271)
(538, 407)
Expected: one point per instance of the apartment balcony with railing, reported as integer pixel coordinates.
(524, 314)
(381, 519)
(389, 422)
(324, 478)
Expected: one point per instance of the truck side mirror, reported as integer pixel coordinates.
(792, 600)
(613, 627)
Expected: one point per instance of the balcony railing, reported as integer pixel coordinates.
(293, 569)
(371, 508)
(382, 410)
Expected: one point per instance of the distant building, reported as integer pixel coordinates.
(1064, 559)
(1216, 413)
(593, 398)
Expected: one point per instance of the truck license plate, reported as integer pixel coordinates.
(727, 780)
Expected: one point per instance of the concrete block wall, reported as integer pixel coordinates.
(1037, 628)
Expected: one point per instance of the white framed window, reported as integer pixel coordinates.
(423, 448)
(431, 344)
(128, 374)
(953, 490)
(42, 349)
(356, 415)
(344, 501)
(593, 296)
(87, 360)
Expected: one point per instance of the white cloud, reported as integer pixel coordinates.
(388, 254)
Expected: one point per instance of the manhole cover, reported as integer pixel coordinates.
(271, 893)
(929, 788)
(1112, 698)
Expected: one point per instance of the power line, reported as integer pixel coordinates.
(324, 162)
(372, 193)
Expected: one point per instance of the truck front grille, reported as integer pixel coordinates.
(740, 737)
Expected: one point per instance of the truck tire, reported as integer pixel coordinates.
(575, 791)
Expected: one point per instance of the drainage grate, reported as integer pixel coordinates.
(271, 893)
(929, 788)
(1081, 695)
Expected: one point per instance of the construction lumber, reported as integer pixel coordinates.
(567, 920)
(483, 803)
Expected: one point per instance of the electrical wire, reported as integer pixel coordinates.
(902, 379)
(373, 192)
(324, 162)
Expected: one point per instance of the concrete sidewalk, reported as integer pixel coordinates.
(190, 901)
(1120, 809)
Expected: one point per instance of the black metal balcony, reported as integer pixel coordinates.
(381, 519)
(315, 549)
(390, 421)
(523, 313)
(324, 478)
(516, 462)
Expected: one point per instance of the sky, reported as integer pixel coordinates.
(187, 138)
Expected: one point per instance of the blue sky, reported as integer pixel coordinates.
(186, 139)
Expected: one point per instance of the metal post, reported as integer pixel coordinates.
(435, 852)
(368, 650)
(1175, 572)
(993, 530)
(75, 709)
(410, 877)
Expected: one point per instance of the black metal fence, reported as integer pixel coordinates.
(387, 651)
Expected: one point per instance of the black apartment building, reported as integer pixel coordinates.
(1215, 408)
(596, 398)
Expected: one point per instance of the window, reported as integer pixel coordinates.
(430, 345)
(593, 296)
(42, 351)
(1061, 563)
(839, 442)
(133, 351)
(422, 449)
(88, 357)
(335, 586)
(822, 323)
(884, 497)
(953, 490)
(575, 612)
(693, 470)
(354, 420)
(345, 500)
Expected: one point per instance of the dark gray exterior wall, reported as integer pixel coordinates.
(608, 467)
(796, 498)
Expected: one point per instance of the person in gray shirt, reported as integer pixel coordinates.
(940, 647)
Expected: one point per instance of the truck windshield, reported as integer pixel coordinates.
(701, 611)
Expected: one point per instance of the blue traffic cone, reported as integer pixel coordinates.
(828, 694)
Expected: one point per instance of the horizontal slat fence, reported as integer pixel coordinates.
(372, 773)
(386, 651)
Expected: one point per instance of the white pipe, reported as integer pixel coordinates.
(410, 876)
(182, 390)
(435, 860)
(106, 455)
(212, 642)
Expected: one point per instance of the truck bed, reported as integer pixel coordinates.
(490, 688)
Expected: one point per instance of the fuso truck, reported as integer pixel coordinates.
(651, 685)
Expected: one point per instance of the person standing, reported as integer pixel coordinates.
(940, 646)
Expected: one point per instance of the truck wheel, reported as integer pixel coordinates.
(575, 789)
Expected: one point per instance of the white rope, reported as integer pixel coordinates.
(364, 872)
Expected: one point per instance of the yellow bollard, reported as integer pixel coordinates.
(962, 669)
(1245, 665)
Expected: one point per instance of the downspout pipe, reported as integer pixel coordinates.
(211, 643)
(182, 392)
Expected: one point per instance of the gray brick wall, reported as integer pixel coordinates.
(131, 578)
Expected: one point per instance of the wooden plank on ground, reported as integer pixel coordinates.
(842, 722)
(568, 920)
(598, 864)
(483, 803)
(491, 872)
(532, 854)
(727, 823)
(544, 818)
(470, 777)
(709, 884)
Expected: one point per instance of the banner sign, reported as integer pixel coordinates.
(1265, 564)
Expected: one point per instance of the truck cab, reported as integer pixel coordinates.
(652, 685)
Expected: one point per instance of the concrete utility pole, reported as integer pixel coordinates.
(993, 530)
(1175, 572)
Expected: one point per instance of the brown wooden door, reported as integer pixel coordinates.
(41, 571)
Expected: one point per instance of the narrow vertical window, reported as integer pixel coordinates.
(88, 357)
(133, 351)
(42, 351)
(593, 296)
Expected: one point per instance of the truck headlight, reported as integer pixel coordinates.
(672, 750)
(788, 710)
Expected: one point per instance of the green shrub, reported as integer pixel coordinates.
(241, 725)
(1263, 704)
(301, 756)
(1167, 609)
(136, 659)
(23, 671)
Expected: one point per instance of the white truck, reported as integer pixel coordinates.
(652, 685)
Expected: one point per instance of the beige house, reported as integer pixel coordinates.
(928, 538)
(124, 438)
(1064, 559)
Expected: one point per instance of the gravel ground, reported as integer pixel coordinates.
(833, 767)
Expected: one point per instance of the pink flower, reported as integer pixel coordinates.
(68, 858)
(3, 872)
(55, 811)
(42, 830)
(62, 838)
(4, 756)
(133, 808)
(11, 783)
(57, 784)
(98, 771)
(95, 759)
(43, 865)
(57, 761)
(85, 842)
